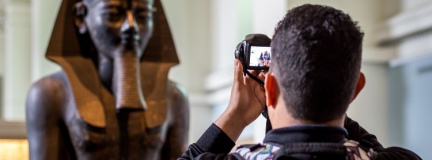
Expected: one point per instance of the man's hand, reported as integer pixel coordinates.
(246, 103)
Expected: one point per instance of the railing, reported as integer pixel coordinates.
(13, 142)
(12, 130)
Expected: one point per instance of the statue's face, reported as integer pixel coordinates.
(114, 24)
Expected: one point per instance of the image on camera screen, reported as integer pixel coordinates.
(260, 56)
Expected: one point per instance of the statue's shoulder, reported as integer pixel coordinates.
(178, 108)
(48, 93)
(178, 94)
(52, 83)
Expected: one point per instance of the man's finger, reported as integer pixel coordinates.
(261, 76)
(254, 72)
(238, 72)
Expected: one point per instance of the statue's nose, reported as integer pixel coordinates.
(129, 28)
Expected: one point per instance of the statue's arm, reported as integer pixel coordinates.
(43, 118)
(178, 131)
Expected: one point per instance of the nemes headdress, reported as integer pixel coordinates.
(160, 55)
(64, 37)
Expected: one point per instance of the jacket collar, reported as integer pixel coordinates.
(306, 133)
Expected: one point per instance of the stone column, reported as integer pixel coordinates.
(2, 26)
(43, 14)
(2, 49)
(16, 58)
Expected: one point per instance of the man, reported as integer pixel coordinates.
(112, 53)
(314, 76)
(266, 58)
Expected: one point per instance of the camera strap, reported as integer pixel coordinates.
(264, 112)
(246, 72)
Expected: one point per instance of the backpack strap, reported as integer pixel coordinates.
(349, 150)
(318, 150)
(357, 152)
(257, 151)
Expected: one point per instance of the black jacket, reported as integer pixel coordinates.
(215, 144)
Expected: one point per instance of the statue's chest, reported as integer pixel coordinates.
(125, 135)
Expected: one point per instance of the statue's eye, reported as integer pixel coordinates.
(143, 15)
(112, 15)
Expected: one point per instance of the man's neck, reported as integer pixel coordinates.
(294, 122)
(281, 118)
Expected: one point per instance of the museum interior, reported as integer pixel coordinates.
(395, 104)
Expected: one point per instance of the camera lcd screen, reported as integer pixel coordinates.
(259, 56)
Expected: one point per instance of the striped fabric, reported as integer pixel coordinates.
(263, 152)
(267, 152)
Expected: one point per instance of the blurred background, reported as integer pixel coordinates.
(395, 105)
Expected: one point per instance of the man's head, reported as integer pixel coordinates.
(316, 56)
(113, 23)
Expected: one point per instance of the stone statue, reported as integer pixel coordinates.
(112, 99)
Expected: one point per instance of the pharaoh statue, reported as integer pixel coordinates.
(112, 99)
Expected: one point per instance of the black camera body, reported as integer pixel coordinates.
(254, 52)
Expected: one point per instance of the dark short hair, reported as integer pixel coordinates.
(316, 61)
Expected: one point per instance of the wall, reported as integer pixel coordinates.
(44, 14)
(2, 23)
(16, 58)
(411, 101)
(410, 33)
(1, 60)
(230, 22)
(1, 49)
(189, 22)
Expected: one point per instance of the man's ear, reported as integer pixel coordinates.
(271, 90)
(80, 11)
(360, 84)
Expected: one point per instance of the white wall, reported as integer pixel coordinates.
(409, 5)
(1, 66)
(189, 22)
(410, 72)
(411, 104)
(43, 15)
(27, 30)
(190, 26)
(1, 51)
(16, 59)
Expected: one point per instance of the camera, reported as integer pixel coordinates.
(254, 52)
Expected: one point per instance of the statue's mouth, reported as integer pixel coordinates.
(130, 39)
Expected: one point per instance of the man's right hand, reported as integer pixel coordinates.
(246, 103)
